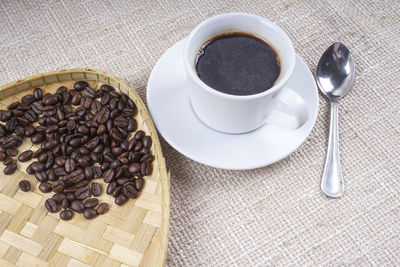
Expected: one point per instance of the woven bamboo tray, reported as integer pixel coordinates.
(135, 234)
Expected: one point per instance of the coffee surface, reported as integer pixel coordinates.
(238, 64)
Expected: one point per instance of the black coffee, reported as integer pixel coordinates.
(238, 64)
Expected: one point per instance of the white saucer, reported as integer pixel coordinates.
(175, 120)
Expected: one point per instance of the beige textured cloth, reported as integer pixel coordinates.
(269, 216)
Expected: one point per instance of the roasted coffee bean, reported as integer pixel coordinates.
(83, 161)
(31, 116)
(143, 167)
(37, 153)
(121, 200)
(146, 158)
(84, 150)
(149, 169)
(120, 122)
(81, 85)
(81, 184)
(96, 189)
(134, 168)
(10, 125)
(19, 130)
(130, 191)
(146, 141)
(58, 197)
(115, 94)
(48, 110)
(37, 166)
(37, 108)
(76, 99)
(50, 100)
(105, 99)
(45, 187)
(116, 134)
(61, 90)
(27, 99)
(82, 193)
(51, 175)
(29, 169)
(96, 106)
(91, 203)
(65, 203)
(60, 171)
(11, 152)
(132, 125)
(138, 146)
(116, 151)
(51, 205)
(103, 115)
(71, 125)
(77, 206)
(24, 185)
(42, 158)
(3, 156)
(106, 88)
(139, 135)
(109, 175)
(115, 164)
(50, 144)
(75, 142)
(29, 131)
(139, 183)
(101, 129)
(10, 141)
(97, 172)
(52, 128)
(102, 208)
(3, 130)
(77, 176)
(13, 105)
(60, 161)
(88, 171)
(70, 196)
(93, 143)
(25, 156)
(58, 186)
(90, 213)
(60, 114)
(86, 102)
(66, 215)
(98, 149)
(50, 160)
(108, 157)
(8, 161)
(111, 187)
(41, 176)
(123, 180)
(37, 93)
(118, 172)
(124, 161)
(117, 191)
(69, 165)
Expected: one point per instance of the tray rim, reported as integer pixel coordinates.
(90, 74)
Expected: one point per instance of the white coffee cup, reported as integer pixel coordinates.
(227, 113)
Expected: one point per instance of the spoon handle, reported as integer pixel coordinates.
(332, 180)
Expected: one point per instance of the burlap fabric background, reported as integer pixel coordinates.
(270, 216)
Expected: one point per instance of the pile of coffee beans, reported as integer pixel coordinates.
(83, 135)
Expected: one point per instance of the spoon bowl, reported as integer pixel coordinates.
(336, 71)
(335, 77)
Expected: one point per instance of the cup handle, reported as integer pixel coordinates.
(290, 111)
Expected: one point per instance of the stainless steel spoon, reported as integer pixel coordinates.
(335, 77)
